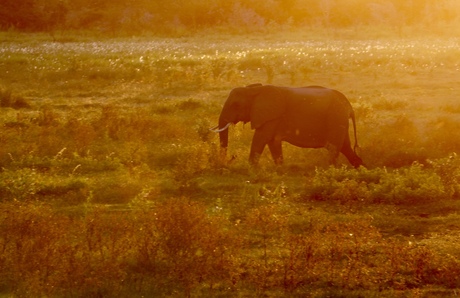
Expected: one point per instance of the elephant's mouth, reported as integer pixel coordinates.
(217, 129)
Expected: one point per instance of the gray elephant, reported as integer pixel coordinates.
(307, 117)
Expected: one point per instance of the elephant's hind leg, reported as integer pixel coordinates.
(350, 154)
(276, 151)
(333, 153)
(335, 139)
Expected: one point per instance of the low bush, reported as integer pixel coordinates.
(10, 100)
(175, 246)
(180, 246)
(407, 186)
(30, 184)
(448, 169)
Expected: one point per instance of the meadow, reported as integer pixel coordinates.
(111, 183)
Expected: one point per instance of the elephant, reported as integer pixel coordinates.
(307, 117)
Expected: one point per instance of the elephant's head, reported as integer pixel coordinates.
(255, 103)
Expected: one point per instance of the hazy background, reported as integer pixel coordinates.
(158, 16)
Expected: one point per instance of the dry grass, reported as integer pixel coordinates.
(110, 184)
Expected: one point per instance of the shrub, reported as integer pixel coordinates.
(412, 185)
(189, 105)
(448, 169)
(342, 184)
(27, 184)
(194, 245)
(20, 185)
(195, 160)
(178, 246)
(265, 225)
(9, 100)
(38, 245)
(81, 133)
(409, 186)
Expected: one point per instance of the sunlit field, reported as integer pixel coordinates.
(111, 183)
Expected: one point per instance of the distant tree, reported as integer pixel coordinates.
(32, 15)
(160, 15)
(18, 14)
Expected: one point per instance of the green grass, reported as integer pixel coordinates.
(110, 180)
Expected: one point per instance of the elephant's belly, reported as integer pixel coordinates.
(304, 139)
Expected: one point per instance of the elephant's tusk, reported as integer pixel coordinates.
(216, 129)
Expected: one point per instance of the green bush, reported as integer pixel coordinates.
(407, 186)
(30, 184)
(410, 186)
(448, 169)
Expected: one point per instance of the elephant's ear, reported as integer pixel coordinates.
(268, 105)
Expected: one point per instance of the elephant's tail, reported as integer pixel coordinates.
(353, 119)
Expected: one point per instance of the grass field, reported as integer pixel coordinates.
(110, 184)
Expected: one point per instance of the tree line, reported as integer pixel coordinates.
(160, 15)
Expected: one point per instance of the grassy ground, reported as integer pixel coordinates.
(110, 184)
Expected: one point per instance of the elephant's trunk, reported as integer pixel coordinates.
(223, 136)
(222, 129)
(223, 133)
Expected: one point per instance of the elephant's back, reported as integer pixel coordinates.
(315, 101)
(310, 114)
(306, 103)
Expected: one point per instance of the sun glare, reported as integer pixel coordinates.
(238, 16)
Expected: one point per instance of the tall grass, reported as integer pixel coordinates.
(111, 183)
(177, 247)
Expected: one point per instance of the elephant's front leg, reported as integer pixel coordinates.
(263, 136)
(257, 147)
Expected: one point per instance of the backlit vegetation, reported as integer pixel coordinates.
(111, 183)
(181, 17)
